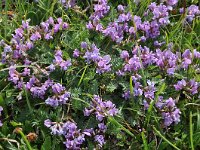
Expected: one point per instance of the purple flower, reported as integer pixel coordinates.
(65, 65)
(160, 103)
(48, 123)
(172, 2)
(59, 20)
(65, 25)
(64, 98)
(170, 103)
(7, 49)
(35, 36)
(56, 129)
(56, 28)
(143, 38)
(196, 53)
(60, 62)
(120, 8)
(168, 120)
(180, 85)
(30, 83)
(166, 60)
(88, 132)
(26, 72)
(45, 26)
(170, 71)
(100, 140)
(102, 108)
(193, 87)
(74, 137)
(100, 9)
(19, 33)
(27, 62)
(126, 95)
(50, 21)
(38, 91)
(102, 127)
(181, 10)
(89, 26)
(124, 55)
(93, 54)
(150, 90)
(87, 112)
(170, 113)
(187, 59)
(192, 11)
(146, 105)
(103, 65)
(13, 74)
(52, 102)
(76, 53)
(48, 36)
(68, 3)
(58, 57)
(1, 109)
(25, 24)
(29, 45)
(84, 45)
(132, 30)
(176, 116)
(57, 88)
(133, 64)
(52, 67)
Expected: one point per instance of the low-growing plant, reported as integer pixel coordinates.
(99, 74)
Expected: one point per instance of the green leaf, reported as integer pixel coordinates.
(111, 87)
(47, 144)
(15, 124)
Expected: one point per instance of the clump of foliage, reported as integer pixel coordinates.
(99, 74)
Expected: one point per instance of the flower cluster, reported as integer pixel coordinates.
(92, 54)
(121, 26)
(1, 109)
(191, 86)
(141, 57)
(171, 2)
(139, 90)
(61, 96)
(101, 109)
(146, 61)
(37, 88)
(23, 40)
(170, 113)
(100, 10)
(192, 12)
(25, 37)
(58, 61)
(68, 3)
(74, 138)
(166, 60)
(149, 90)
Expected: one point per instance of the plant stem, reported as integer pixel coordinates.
(166, 140)
(25, 140)
(191, 132)
(82, 75)
(27, 100)
(144, 141)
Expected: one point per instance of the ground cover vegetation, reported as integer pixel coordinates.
(99, 74)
